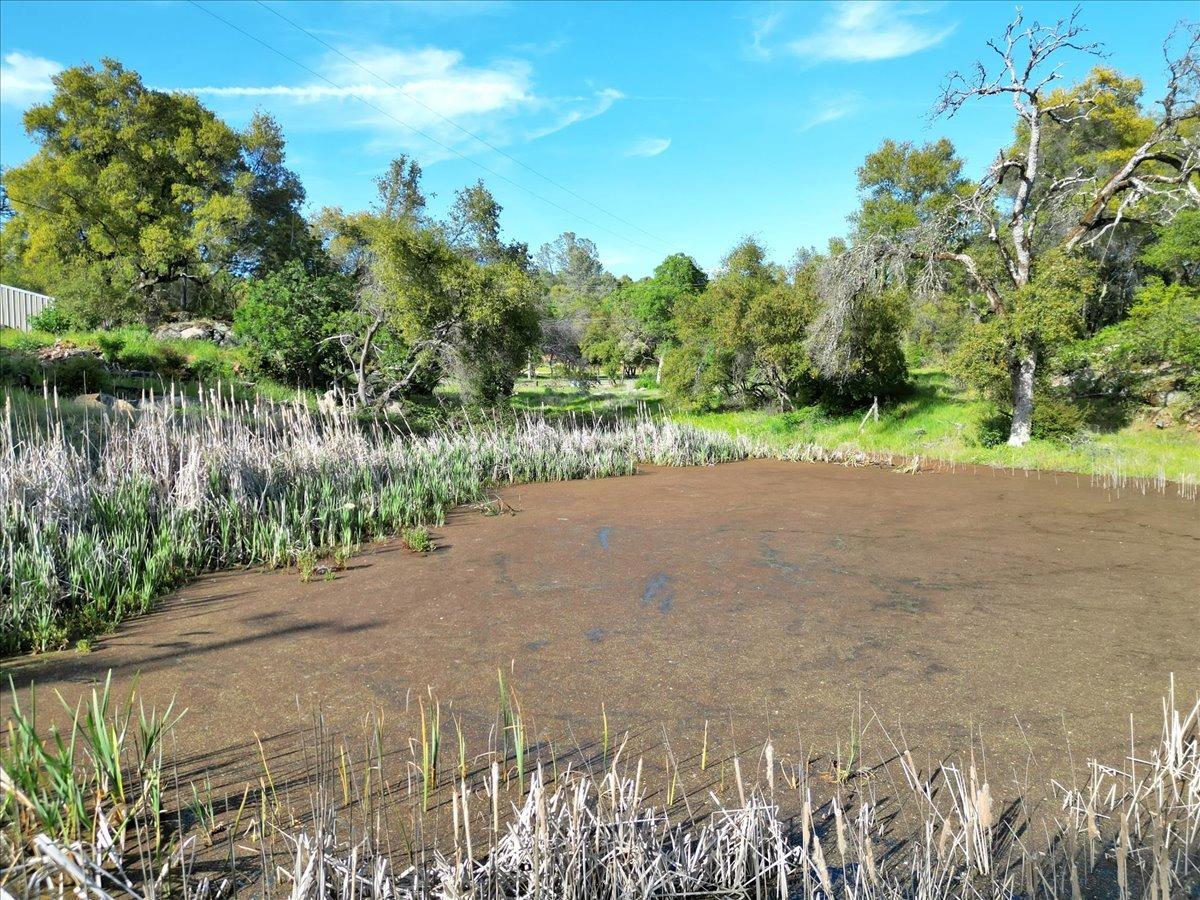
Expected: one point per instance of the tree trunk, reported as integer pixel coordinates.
(1023, 369)
(658, 372)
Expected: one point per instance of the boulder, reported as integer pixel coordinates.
(106, 402)
(197, 330)
(61, 350)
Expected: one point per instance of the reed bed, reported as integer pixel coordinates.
(577, 827)
(96, 523)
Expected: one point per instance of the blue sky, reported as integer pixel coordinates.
(670, 126)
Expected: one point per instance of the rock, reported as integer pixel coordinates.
(197, 330)
(61, 350)
(106, 402)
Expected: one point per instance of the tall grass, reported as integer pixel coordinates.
(895, 831)
(96, 523)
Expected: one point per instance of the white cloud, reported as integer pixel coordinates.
(830, 109)
(422, 88)
(649, 147)
(583, 108)
(25, 79)
(762, 30)
(869, 30)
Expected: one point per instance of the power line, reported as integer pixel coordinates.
(414, 129)
(466, 131)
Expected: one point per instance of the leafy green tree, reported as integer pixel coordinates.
(275, 230)
(904, 186)
(655, 299)
(447, 312)
(398, 190)
(289, 320)
(134, 199)
(473, 227)
(1069, 184)
(740, 341)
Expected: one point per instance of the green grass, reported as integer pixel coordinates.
(557, 395)
(938, 421)
(184, 364)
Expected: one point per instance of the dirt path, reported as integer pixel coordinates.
(767, 594)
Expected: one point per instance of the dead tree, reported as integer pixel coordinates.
(1022, 210)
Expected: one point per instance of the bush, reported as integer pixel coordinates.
(19, 368)
(286, 320)
(417, 539)
(51, 320)
(82, 374)
(1054, 419)
(992, 430)
(1162, 329)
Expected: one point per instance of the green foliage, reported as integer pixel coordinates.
(443, 310)
(904, 186)
(872, 359)
(1056, 418)
(1048, 312)
(83, 374)
(1046, 316)
(1176, 251)
(19, 368)
(52, 320)
(287, 320)
(1162, 329)
(134, 196)
(417, 539)
(275, 230)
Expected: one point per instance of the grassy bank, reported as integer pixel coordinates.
(140, 363)
(939, 421)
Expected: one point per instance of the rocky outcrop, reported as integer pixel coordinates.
(61, 349)
(197, 330)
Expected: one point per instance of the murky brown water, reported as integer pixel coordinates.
(761, 597)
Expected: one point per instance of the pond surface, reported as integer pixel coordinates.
(764, 598)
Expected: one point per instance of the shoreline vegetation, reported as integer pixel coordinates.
(103, 517)
(102, 808)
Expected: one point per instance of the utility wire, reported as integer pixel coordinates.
(466, 131)
(414, 129)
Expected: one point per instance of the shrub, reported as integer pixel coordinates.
(417, 539)
(647, 381)
(1054, 419)
(992, 429)
(19, 368)
(1162, 328)
(51, 320)
(286, 320)
(80, 374)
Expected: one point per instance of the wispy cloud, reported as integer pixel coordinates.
(650, 146)
(760, 34)
(853, 31)
(830, 109)
(422, 88)
(866, 30)
(583, 108)
(25, 79)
